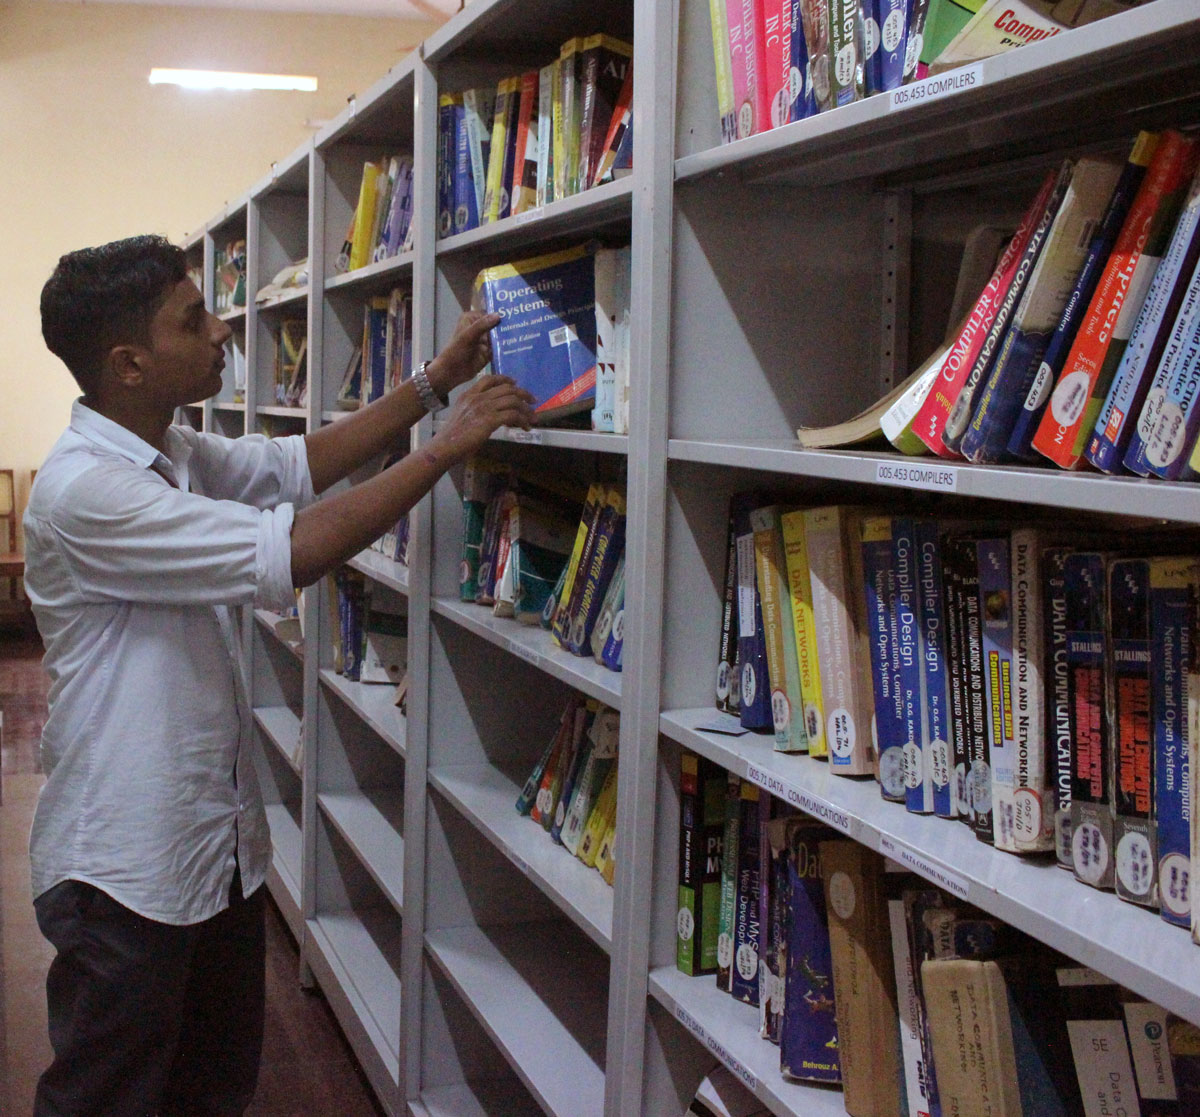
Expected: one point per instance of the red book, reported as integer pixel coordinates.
(1068, 421)
(621, 115)
(930, 422)
(529, 98)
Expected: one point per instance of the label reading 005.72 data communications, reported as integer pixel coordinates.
(809, 804)
(749, 1079)
(911, 859)
(941, 85)
(939, 478)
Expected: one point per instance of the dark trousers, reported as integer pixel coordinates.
(149, 1019)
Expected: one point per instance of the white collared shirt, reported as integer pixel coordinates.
(136, 586)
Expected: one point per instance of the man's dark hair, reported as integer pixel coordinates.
(100, 297)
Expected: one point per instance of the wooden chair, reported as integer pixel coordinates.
(12, 560)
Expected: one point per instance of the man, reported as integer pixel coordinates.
(150, 844)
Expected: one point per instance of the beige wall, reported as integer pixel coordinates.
(92, 152)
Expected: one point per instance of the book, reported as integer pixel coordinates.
(596, 544)
(772, 917)
(548, 82)
(505, 106)
(864, 981)
(1056, 690)
(522, 181)
(1089, 367)
(727, 912)
(466, 205)
(569, 110)
(728, 684)
(612, 267)
(748, 58)
(1039, 310)
(997, 27)
(609, 611)
(619, 125)
(814, 21)
(845, 46)
(1057, 349)
(722, 68)
(603, 735)
(1173, 585)
(540, 541)
(918, 13)
(747, 927)
(364, 214)
(1127, 694)
(701, 825)
(546, 340)
(929, 425)
(783, 668)
(385, 639)
(1091, 784)
(799, 578)
(804, 103)
(996, 613)
(605, 63)
(599, 822)
(755, 687)
(908, 1001)
(609, 547)
(775, 22)
(808, 1042)
(374, 348)
(846, 694)
(559, 620)
(956, 683)
(934, 790)
(479, 106)
(958, 422)
(910, 650)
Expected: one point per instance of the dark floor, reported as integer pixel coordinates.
(308, 1069)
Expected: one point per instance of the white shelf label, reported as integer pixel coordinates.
(534, 214)
(938, 478)
(818, 808)
(911, 859)
(749, 1079)
(932, 89)
(527, 654)
(516, 434)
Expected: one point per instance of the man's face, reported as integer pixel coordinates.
(187, 349)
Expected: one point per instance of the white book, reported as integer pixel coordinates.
(909, 1005)
(545, 134)
(479, 105)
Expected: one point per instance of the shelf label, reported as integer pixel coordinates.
(749, 1079)
(528, 215)
(911, 859)
(527, 654)
(818, 808)
(937, 478)
(522, 866)
(932, 89)
(516, 434)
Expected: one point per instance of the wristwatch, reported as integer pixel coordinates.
(430, 400)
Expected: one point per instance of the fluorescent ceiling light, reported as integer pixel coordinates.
(225, 79)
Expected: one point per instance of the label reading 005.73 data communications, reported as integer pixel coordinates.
(941, 85)
(939, 478)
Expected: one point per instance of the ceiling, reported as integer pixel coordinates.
(437, 10)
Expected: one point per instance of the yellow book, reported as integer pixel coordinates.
(566, 120)
(364, 217)
(506, 90)
(604, 812)
(799, 579)
(591, 509)
(606, 859)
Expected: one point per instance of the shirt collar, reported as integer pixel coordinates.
(120, 440)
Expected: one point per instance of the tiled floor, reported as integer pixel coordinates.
(308, 1069)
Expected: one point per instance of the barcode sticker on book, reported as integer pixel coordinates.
(749, 1079)
(809, 804)
(931, 89)
(911, 859)
(938, 478)
(564, 335)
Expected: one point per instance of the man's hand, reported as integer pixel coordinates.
(490, 403)
(469, 349)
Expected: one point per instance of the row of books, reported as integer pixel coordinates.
(572, 790)
(229, 276)
(368, 627)
(565, 331)
(383, 359)
(1029, 681)
(291, 362)
(531, 553)
(912, 1000)
(381, 225)
(778, 61)
(1083, 348)
(535, 137)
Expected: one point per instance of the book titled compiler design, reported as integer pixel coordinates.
(547, 339)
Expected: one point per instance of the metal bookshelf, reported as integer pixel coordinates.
(475, 966)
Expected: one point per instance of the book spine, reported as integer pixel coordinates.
(803, 99)
(959, 420)
(1071, 412)
(699, 868)
(978, 762)
(744, 52)
(909, 1003)
(882, 613)
(918, 14)
(1118, 415)
(610, 546)
(600, 528)
(752, 652)
(995, 601)
(604, 622)
(845, 52)
(772, 912)
(1056, 690)
(747, 929)
(728, 689)
(587, 522)
(1091, 790)
(930, 422)
(808, 1039)
(466, 212)
(478, 105)
(814, 19)
(1171, 587)
(787, 704)
(513, 109)
(723, 69)
(937, 760)
(1127, 690)
(845, 694)
(602, 817)
(956, 684)
(776, 16)
(1020, 441)
(871, 59)
(893, 16)
(799, 578)
(521, 199)
(528, 795)
(604, 733)
(547, 79)
(918, 782)
(1032, 785)
(445, 175)
(619, 130)
(494, 187)
(729, 881)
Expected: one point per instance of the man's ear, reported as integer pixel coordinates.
(126, 362)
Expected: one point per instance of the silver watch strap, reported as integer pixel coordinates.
(430, 400)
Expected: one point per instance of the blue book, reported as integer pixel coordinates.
(752, 644)
(918, 787)
(375, 354)
(995, 607)
(893, 18)
(804, 102)
(466, 208)
(611, 655)
(879, 588)
(1056, 693)
(547, 339)
(1173, 583)
(1020, 441)
(747, 927)
(937, 758)
(872, 71)
(809, 1037)
(1115, 425)
(445, 164)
